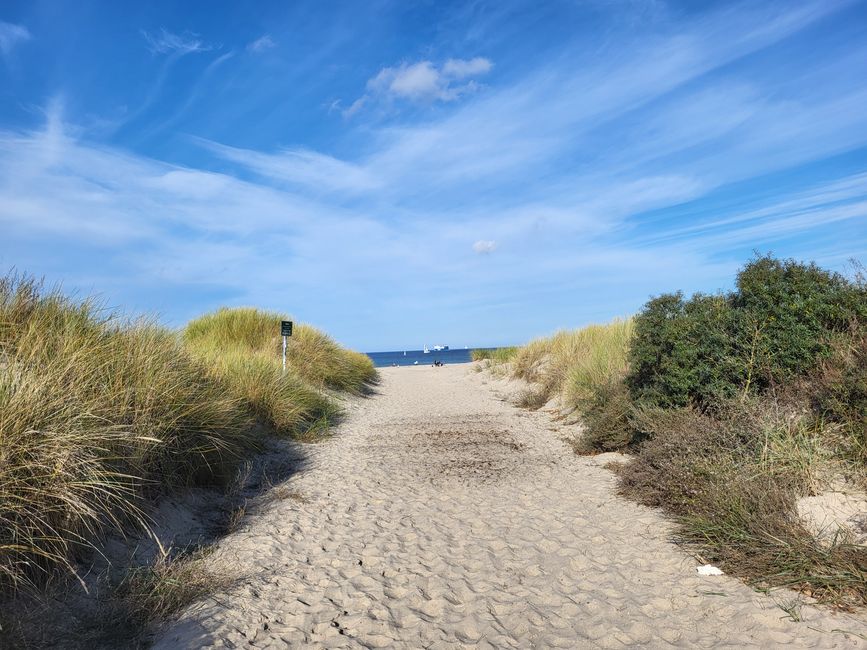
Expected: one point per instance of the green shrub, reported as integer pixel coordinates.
(684, 351)
(779, 324)
(793, 310)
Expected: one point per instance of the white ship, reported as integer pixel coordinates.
(440, 348)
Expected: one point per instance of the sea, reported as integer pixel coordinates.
(418, 357)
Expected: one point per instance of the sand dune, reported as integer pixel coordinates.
(441, 516)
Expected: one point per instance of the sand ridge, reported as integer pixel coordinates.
(438, 515)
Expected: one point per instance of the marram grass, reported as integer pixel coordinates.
(99, 414)
(241, 347)
(574, 364)
(495, 356)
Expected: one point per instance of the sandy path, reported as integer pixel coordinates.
(440, 516)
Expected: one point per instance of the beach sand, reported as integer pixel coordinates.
(439, 515)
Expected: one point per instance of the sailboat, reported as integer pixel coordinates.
(426, 351)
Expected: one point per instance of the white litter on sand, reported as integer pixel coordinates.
(708, 570)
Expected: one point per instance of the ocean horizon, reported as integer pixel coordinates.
(420, 357)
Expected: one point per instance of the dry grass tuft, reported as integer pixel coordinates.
(731, 482)
(531, 398)
(162, 590)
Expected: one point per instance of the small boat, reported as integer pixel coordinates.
(426, 351)
(404, 353)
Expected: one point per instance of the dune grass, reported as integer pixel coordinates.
(241, 347)
(574, 364)
(95, 413)
(99, 414)
(495, 355)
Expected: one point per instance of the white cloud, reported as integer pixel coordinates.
(417, 81)
(423, 82)
(261, 44)
(311, 169)
(165, 42)
(11, 35)
(460, 68)
(485, 247)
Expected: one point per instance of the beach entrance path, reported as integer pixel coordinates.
(441, 516)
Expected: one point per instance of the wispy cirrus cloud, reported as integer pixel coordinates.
(315, 171)
(423, 82)
(12, 35)
(264, 42)
(163, 41)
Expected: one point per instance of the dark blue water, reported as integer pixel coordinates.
(382, 359)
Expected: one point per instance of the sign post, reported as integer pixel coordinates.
(285, 331)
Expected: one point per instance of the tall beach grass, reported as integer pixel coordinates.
(573, 364)
(100, 414)
(495, 360)
(241, 347)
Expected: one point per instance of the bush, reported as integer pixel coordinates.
(794, 311)
(684, 351)
(779, 324)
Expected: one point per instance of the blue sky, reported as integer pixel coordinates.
(409, 173)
